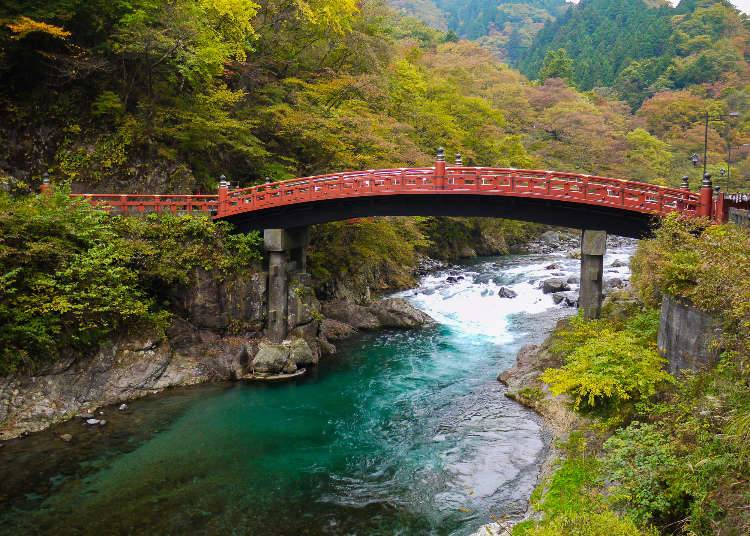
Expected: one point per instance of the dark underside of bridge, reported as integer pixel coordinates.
(550, 212)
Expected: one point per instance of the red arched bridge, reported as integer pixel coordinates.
(284, 210)
(568, 199)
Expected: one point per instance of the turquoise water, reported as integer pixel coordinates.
(400, 433)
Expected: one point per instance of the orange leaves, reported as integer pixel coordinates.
(25, 26)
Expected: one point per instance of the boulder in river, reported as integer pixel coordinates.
(271, 358)
(554, 284)
(614, 282)
(568, 299)
(505, 292)
(66, 437)
(399, 313)
(357, 316)
(617, 263)
(285, 358)
(553, 266)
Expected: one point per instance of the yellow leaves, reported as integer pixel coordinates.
(233, 18)
(329, 15)
(25, 26)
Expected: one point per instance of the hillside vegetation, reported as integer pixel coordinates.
(656, 454)
(167, 96)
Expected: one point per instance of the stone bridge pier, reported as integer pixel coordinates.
(593, 247)
(287, 255)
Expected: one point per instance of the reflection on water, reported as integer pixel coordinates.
(401, 433)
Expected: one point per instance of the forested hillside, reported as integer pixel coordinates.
(642, 47)
(507, 27)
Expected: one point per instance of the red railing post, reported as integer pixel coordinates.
(706, 197)
(440, 169)
(223, 206)
(720, 212)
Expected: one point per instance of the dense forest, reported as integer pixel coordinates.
(507, 27)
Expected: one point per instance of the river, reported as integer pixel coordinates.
(399, 433)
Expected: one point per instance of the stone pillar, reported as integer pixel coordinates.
(286, 250)
(593, 247)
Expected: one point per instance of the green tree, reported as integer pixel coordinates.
(557, 64)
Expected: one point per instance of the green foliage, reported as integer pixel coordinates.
(641, 47)
(376, 253)
(649, 157)
(641, 463)
(699, 262)
(606, 365)
(73, 276)
(570, 500)
(556, 64)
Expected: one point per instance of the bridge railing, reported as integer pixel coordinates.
(505, 181)
(128, 204)
(553, 185)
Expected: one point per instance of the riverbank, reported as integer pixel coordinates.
(398, 431)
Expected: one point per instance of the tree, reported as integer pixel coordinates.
(557, 64)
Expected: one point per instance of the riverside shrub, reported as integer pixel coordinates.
(607, 365)
(71, 275)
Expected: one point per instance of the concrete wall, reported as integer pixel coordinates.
(688, 338)
(739, 216)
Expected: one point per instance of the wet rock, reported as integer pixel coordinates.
(102, 422)
(571, 299)
(614, 282)
(486, 292)
(92, 422)
(451, 279)
(554, 284)
(617, 263)
(271, 358)
(333, 330)
(123, 407)
(558, 297)
(573, 280)
(399, 313)
(326, 348)
(553, 266)
(300, 353)
(66, 437)
(357, 316)
(505, 292)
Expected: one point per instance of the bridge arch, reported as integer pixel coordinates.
(284, 210)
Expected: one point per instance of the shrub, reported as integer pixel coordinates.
(642, 465)
(72, 275)
(707, 265)
(606, 365)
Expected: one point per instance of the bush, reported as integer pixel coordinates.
(642, 465)
(73, 276)
(707, 265)
(607, 365)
